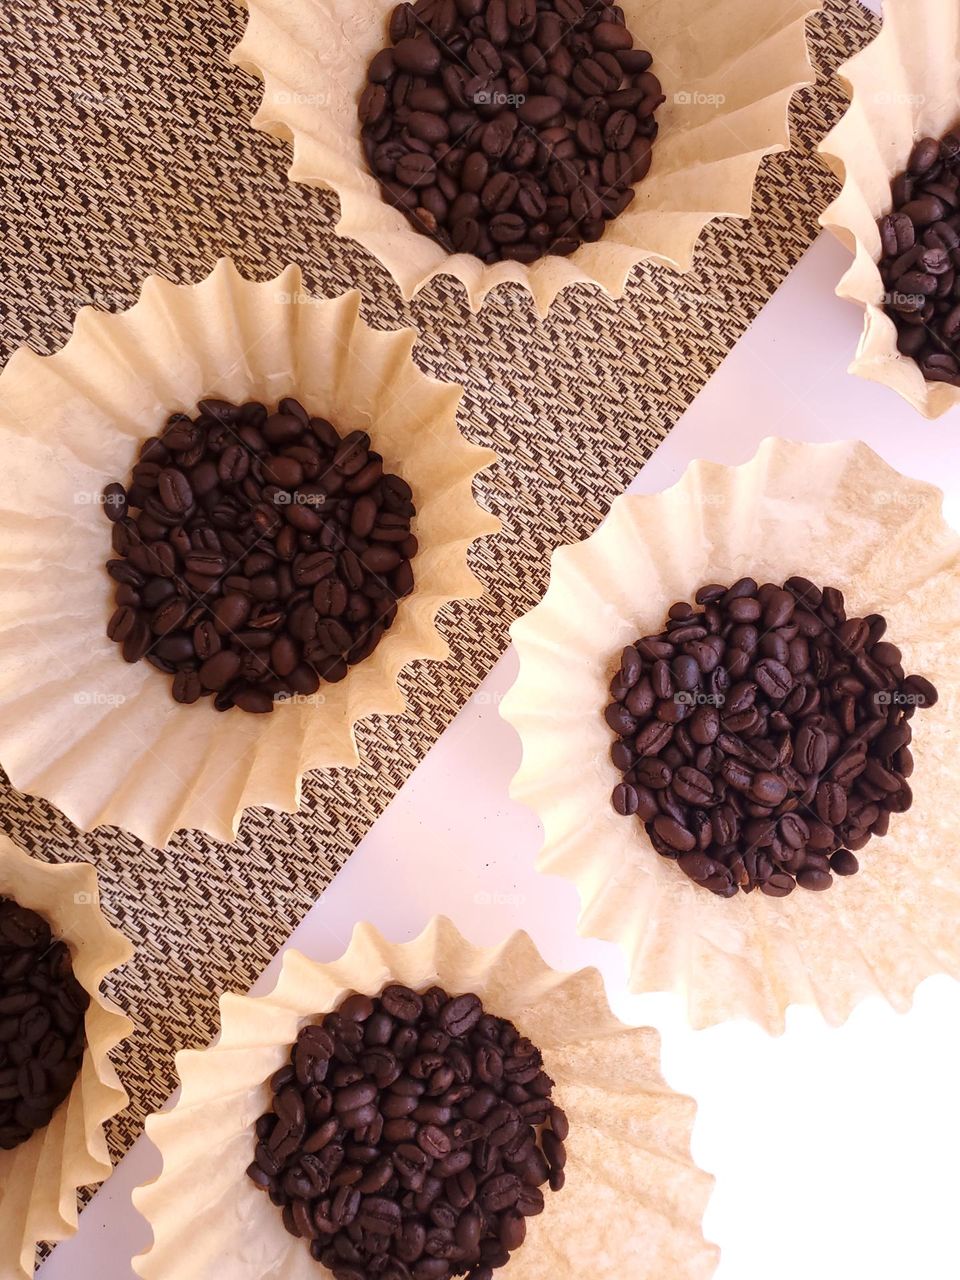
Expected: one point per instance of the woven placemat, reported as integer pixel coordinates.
(128, 152)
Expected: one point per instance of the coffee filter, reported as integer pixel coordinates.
(104, 740)
(633, 1201)
(39, 1179)
(728, 78)
(840, 516)
(903, 86)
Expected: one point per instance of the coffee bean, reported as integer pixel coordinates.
(42, 1008)
(212, 584)
(414, 1160)
(917, 242)
(540, 99)
(796, 751)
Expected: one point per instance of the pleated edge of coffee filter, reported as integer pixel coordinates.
(866, 150)
(40, 1179)
(418, 638)
(271, 49)
(603, 857)
(515, 982)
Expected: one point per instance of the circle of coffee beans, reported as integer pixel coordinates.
(409, 1138)
(268, 553)
(921, 257)
(510, 129)
(42, 1039)
(765, 737)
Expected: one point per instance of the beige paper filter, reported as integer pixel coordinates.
(39, 1180)
(633, 1201)
(104, 740)
(840, 516)
(903, 86)
(728, 73)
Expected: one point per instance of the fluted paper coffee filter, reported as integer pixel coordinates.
(903, 86)
(727, 75)
(39, 1179)
(836, 514)
(102, 739)
(633, 1200)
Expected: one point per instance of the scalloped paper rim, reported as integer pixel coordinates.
(103, 740)
(898, 88)
(629, 1146)
(40, 1179)
(312, 59)
(840, 515)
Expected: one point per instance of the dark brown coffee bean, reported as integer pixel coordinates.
(42, 1008)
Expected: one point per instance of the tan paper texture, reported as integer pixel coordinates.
(39, 1180)
(903, 86)
(104, 740)
(727, 69)
(633, 1200)
(840, 516)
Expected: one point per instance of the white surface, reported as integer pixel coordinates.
(835, 1152)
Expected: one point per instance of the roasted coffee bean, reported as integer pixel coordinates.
(42, 1008)
(267, 554)
(918, 241)
(796, 750)
(483, 111)
(429, 1156)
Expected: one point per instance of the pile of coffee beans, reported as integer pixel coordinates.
(42, 1009)
(765, 737)
(510, 129)
(410, 1137)
(268, 553)
(921, 257)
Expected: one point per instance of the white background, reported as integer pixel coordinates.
(835, 1152)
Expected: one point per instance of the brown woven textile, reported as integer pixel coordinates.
(126, 152)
